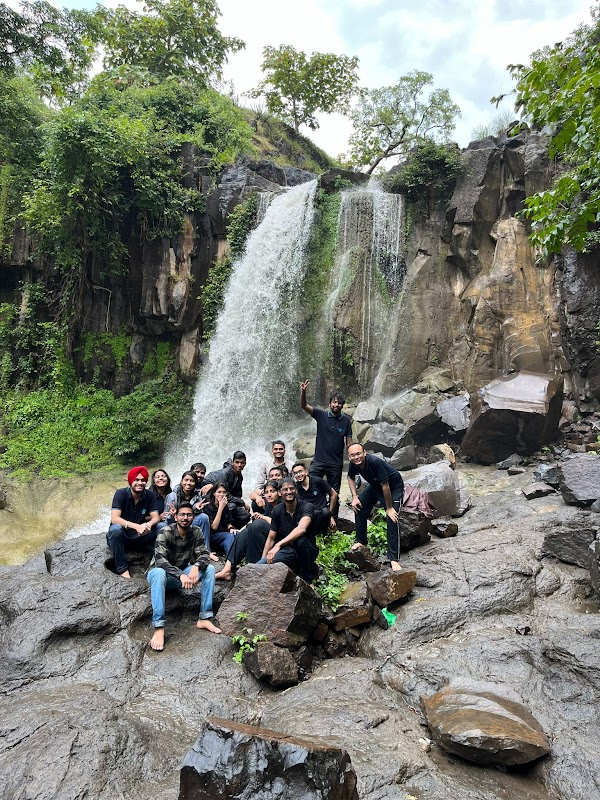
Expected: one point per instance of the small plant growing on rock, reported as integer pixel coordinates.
(377, 533)
(332, 564)
(246, 642)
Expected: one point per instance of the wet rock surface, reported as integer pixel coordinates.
(241, 762)
(106, 717)
(475, 723)
(579, 479)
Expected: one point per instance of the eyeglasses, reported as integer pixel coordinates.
(184, 516)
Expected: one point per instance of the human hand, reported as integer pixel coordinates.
(186, 581)
(392, 514)
(193, 575)
(205, 489)
(223, 502)
(272, 553)
(356, 504)
(304, 385)
(332, 522)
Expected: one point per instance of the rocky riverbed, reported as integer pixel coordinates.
(87, 710)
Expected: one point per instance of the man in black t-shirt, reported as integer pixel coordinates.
(287, 540)
(319, 494)
(129, 527)
(385, 485)
(334, 434)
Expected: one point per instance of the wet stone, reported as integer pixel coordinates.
(272, 664)
(360, 615)
(234, 761)
(516, 470)
(443, 529)
(579, 479)
(413, 529)
(535, 490)
(547, 473)
(387, 586)
(334, 645)
(363, 559)
(570, 540)
(484, 727)
(512, 461)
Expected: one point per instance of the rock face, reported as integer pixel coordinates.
(570, 542)
(272, 664)
(388, 587)
(441, 483)
(519, 413)
(240, 762)
(579, 479)
(484, 727)
(270, 599)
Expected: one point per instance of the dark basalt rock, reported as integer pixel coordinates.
(484, 727)
(570, 541)
(272, 664)
(414, 529)
(355, 607)
(363, 559)
(579, 479)
(272, 600)
(547, 473)
(242, 762)
(387, 586)
(535, 490)
(512, 461)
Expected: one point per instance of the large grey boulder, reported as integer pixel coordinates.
(484, 727)
(417, 411)
(382, 438)
(455, 412)
(518, 413)
(569, 541)
(442, 484)
(579, 479)
(367, 411)
(242, 762)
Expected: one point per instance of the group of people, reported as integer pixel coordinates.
(205, 514)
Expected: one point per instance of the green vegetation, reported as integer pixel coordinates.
(274, 139)
(332, 563)
(377, 533)
(246, 641)
(497, 126)
(561, 89)
(240, 224)
(295, 86)
(391, 120)
(428, 176)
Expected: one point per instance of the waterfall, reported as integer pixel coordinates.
(368, 272)
(246, 388)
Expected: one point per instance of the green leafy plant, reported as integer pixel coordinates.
(428, 176)
(246, 642)
(377, 533)
(332, 563)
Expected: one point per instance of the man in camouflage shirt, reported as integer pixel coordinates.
(181, 561)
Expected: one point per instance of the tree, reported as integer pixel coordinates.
(391, 120)
(56, 47)
(171, 38)
(561, 89)
(297, 87)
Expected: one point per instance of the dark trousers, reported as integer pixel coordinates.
(249, 544)
(239, 515)
(120, 540)
(368, 498)
(320, 521)
(332, 474)
(307, 552)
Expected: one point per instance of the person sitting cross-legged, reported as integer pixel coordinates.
(133, 520)
(180, 561)
(319, 494)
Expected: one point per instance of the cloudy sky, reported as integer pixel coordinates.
(465, 44)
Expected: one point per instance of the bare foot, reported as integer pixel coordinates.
(223, 575)
(157, 642)
(356, 545)
(395, 566)
(125, 574)
(214, 557)
(206, 625)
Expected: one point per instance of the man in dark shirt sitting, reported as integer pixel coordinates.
(129, 529)
(231, 476)
(287, 540)
(334, 433)
(180, 561)
(319, 494)
(385, 485)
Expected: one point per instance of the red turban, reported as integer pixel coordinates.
(134, 472)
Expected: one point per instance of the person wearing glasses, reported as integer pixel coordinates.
(384, 485)
(181, 561)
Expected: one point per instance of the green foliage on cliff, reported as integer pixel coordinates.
(428, 176)
(274, 139)
(560, 89)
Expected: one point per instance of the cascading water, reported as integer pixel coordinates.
(368, 273)
(245, 390)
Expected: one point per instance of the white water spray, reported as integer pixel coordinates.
(245, 391)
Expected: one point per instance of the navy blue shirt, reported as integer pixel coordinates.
(317, 492)
(134, 512)
(377, 471)
(331, 436)
(283, 523)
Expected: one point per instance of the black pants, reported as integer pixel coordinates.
(320, 521)
(249, 544)
(307, 552)
(121, 540)
(332, 474)
(238, 512)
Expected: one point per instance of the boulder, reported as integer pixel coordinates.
(367, 411)
(444, 528)
(512, 461)
(345, 519)
(455, 412)
(417, 411)
(516, 470)
(363, 559)
(272, 600)
(579, 479)
(484, 727)
(441, 483)
(383, 438)
(594, 565)
(234, 761)
(304, 447)
(435, 379)
(272, 664)
(442, 452)
(595, 507)
(414, 530)
(535, 490)
(354, 608)
(386, 587)
(546, 473)
(518, 413)
(569, 541)
(404, 458)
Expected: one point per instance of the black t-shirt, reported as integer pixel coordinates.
(211, 512)
(317, 492)
(283, 523)
(377, 471)
(130, 511)
(331, 436)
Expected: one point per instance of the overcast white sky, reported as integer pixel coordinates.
(465, 44)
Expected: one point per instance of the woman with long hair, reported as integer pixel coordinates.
(187, 491)
(160, 485)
